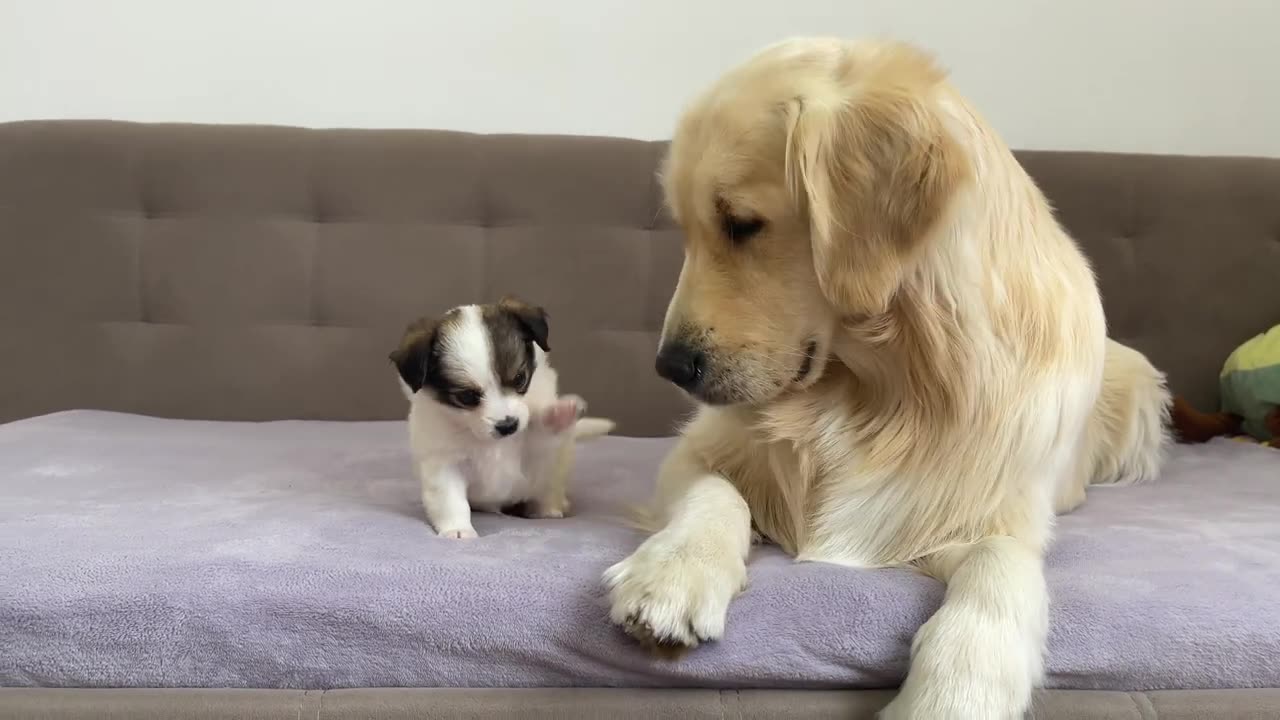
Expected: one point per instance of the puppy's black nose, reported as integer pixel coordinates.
(681, 364)
(506, 426)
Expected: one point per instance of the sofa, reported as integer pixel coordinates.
(207, 508)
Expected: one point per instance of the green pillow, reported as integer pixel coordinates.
(1250, 381)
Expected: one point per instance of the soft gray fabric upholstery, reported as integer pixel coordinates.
(141, 552)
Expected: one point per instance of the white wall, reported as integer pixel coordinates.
(1198, 76)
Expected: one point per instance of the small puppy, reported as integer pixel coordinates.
(486, 426)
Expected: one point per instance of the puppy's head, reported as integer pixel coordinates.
(476, 361)
(806, 182)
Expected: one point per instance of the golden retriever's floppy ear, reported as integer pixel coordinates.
(874, 167)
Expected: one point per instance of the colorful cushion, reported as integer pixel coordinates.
(1250, 382)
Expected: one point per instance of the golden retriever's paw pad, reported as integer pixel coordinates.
(458, 533)
(669, 601)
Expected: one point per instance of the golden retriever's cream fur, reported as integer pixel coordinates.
(902, 360)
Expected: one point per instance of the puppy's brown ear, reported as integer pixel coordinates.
(413, 357)
(873, 166)
(531, 317)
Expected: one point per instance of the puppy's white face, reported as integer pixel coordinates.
(476, 363)
(479, 377)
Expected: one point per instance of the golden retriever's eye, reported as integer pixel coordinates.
(739, 230)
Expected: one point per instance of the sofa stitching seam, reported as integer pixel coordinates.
(1142, 703)
(729, 698)
(313, 255)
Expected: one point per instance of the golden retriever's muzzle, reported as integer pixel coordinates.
(697, 364)
(683, 364)
(690, 360)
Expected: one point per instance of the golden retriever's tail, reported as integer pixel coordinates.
(1129, 431)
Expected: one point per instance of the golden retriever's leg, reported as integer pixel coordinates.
(981, 654)
(673, 592)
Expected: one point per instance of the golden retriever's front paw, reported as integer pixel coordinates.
(964, 668)
(670, 597)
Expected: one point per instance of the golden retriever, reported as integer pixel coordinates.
(900, 359)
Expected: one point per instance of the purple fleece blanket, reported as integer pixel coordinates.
(140, 552)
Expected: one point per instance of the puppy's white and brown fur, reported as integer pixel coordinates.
(486, 426)
(901, 359)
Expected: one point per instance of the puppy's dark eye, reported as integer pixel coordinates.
(739, 230)
(465, 398)
(521, 381)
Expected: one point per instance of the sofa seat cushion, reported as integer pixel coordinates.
(141, 552)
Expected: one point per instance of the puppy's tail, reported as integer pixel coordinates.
(644, 518)
(634, 516)
(588, 428)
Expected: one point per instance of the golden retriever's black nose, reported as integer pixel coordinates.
(681, 364)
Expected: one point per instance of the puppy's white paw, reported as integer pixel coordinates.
(547, 508)
(458, 533)
(670, 596)
(547, 513)
(564, 413)
(554, 507)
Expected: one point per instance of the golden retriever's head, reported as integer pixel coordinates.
(806, 182)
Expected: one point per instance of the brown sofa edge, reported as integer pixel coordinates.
(576, 703)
